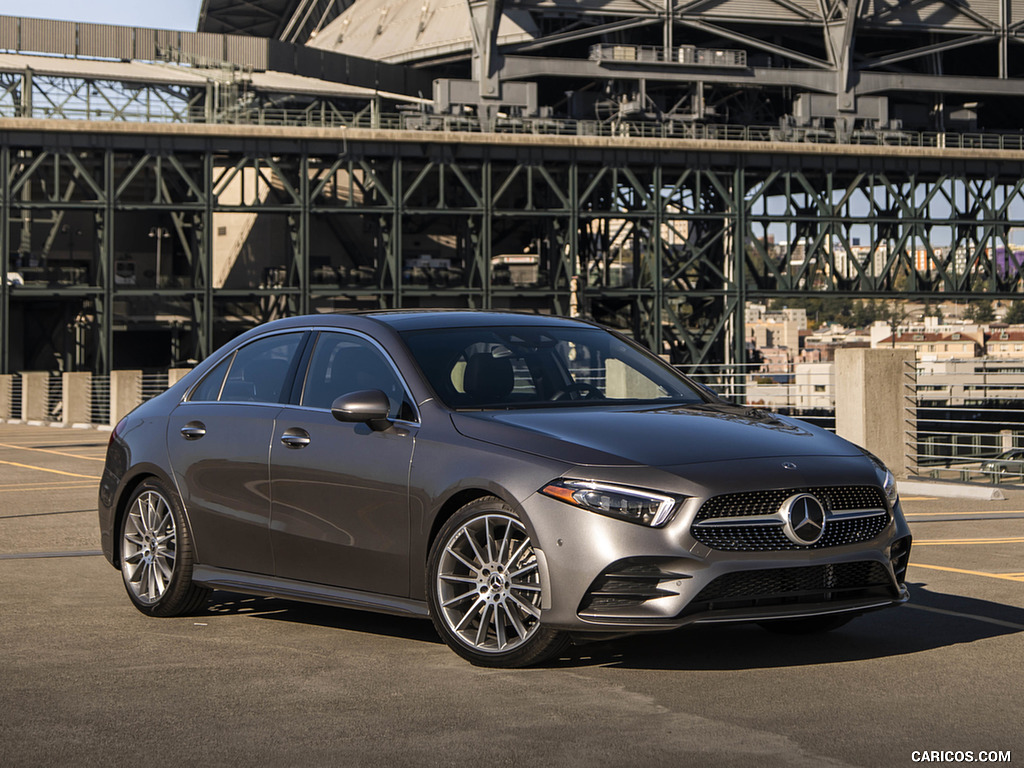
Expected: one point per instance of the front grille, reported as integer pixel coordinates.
(799, 585)
(764, 538)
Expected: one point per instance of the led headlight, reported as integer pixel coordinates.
(889, 486)
(888, 481)
(633, 504)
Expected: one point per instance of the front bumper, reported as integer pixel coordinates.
(606, 575)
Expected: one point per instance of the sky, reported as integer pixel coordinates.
(161, 14)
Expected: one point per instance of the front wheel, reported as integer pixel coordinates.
(156, 554)
(484, 589)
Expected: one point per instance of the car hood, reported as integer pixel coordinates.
(658, 437)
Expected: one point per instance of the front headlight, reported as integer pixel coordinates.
(889, 486)
(633, 504)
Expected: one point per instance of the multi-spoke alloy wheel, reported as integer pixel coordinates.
(156, 558)
(148, 547)
(485, 588)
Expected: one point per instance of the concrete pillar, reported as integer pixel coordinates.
(876, 404)
(174, 375)
(125, 393)
(1005, 435)
(35, 395)
(6, 384)
(76, 398)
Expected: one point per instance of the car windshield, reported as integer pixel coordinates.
(529, 367)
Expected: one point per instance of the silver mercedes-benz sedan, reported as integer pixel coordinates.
(522, 481)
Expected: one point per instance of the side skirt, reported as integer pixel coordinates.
(322, 594)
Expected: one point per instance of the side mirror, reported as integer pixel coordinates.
(368, 406)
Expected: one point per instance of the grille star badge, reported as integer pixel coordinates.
(804, 519)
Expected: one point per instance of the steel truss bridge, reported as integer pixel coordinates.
(652, 166)
(184, 235)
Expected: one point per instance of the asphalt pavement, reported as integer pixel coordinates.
(86, 679)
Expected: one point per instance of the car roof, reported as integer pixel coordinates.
(409, 320)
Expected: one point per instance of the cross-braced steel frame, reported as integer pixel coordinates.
(198, 232)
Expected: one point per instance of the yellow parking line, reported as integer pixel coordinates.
(28, 488)
(47, 450)
(949, 542)
(972, 512)
(54, 471)
(1002, 576)
(959, 615)
(41, 483)
(916, 498)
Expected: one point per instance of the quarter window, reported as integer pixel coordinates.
(209, 387)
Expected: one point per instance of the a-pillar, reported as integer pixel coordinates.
(125, 393)
(76, 398)
(876, 404)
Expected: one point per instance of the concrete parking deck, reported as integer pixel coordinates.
(254, 681)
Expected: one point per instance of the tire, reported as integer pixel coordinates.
(156, 554)
(810, 625)
(484, 589)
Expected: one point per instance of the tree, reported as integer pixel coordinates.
(979, 312)
(1015, 314)
(865, 313)
(895, 314)
(933, 310)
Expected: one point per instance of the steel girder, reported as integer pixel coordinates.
(202, 238)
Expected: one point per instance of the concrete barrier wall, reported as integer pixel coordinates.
(6, 395)
(76, 398)
(125, 393)
(78, 394)
(35, 394)
(875, 401)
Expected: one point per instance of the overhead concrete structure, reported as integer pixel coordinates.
(288, 20)
(933, 64)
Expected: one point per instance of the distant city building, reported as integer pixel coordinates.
(937, 346)
(960, 363)
(1008, 342)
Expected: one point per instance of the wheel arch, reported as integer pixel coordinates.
(128, 487)
(453, 504)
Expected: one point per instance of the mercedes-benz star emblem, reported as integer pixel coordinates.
(804, 519)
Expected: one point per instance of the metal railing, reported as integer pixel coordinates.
(328, 117)
(964, 422)
(100, 403)
(689, 55)
(16, 387)
(153, 384)
(54, 397)
(747, 385)
(970, 422)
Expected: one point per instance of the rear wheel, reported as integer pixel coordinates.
(156, 554)
(484, 589)
(809, 625)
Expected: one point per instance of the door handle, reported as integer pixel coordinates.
(295, 437)
(193, 430)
